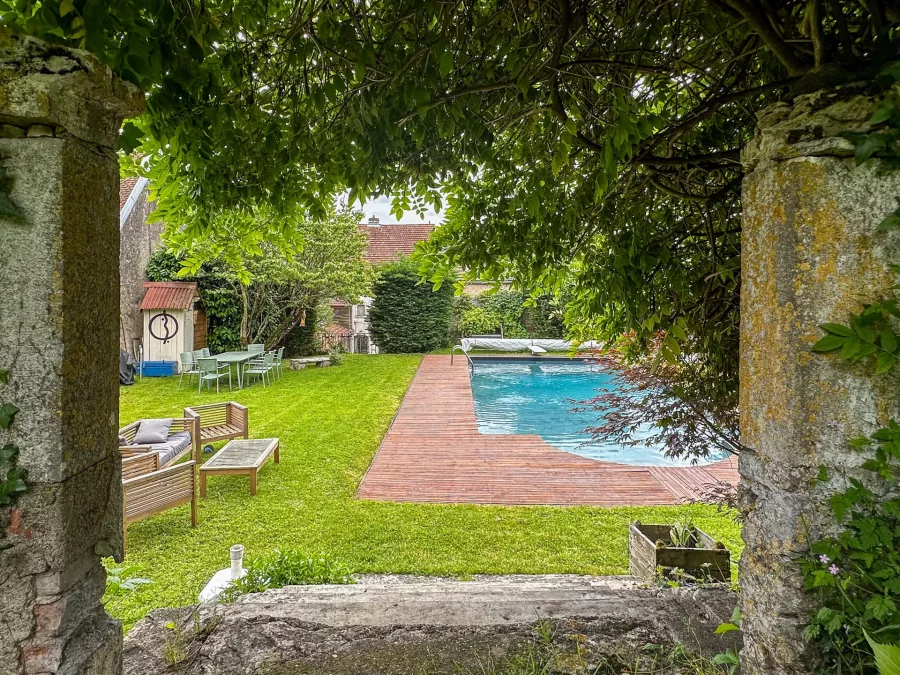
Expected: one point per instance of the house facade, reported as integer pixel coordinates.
(138, 239)
(386, 243)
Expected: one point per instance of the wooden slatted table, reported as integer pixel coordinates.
(240, 457)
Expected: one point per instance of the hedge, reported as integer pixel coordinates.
(407, 316)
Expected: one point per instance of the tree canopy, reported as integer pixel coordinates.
(263, 296)
(591, 144)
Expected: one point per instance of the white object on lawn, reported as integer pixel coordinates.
(223, 578)
(535, 349)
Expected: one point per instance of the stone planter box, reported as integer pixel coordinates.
(651, 553)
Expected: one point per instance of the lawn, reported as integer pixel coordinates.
(330, 422)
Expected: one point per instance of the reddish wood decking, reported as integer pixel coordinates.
(434, 453)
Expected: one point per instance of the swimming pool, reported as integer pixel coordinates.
(534, 396)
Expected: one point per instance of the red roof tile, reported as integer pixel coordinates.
(126, 185)
(169, 295)
(389, 242)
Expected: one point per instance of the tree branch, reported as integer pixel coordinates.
(479, 89)
(767, 33)
(715, 196)
(733, 156)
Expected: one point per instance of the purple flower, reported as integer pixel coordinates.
(824, 559)
(834, 569)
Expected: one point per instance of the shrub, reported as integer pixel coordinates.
(304, 340)
(478, 321)
(545, 319)
(488, 312)
(855, 575)
(336, 355)
(407, 316)
(287, 567)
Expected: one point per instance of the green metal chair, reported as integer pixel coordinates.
(188, 367)
(211, 370)
(206, 353)
(255, 347)
(259, 368)
(279, 361)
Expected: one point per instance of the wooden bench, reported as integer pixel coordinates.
(147, 490)
(220, 421)
(185, 423)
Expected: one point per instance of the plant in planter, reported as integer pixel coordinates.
(679, 552)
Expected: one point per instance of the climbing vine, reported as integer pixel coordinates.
(856, 574)
(12, 476)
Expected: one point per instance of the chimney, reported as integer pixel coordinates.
(374, 222)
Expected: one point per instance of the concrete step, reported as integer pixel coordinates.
(453, 603)
(390, 625)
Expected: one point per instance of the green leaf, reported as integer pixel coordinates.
(130, 137)
(445, 62)
(823, 474)
(837, 329)
(4, 376)
(7, 207)
(887, 657)
(7, 412)
(870, 144)
(885, 363)
(66, 6)
(890, 222)
(884, 112)
(888, 339)
(829, 343)
(725, 628)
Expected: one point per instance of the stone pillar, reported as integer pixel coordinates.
(60, 111)
(811, 254)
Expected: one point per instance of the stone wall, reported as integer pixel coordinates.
(140, 237)
(60, 112)
(811, 253)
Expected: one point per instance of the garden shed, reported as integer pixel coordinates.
(174, 321)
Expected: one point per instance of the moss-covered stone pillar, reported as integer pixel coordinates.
(811, 254)
(60, 112)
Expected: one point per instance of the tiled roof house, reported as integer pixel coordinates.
(386, 243)
(389, 242)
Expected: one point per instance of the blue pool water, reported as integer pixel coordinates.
(536, 397)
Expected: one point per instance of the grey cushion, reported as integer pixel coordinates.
(152, 431)
(172, 447)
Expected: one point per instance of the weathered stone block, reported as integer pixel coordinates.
(58, 339)
(811, 253)
(61, 326)
(49, 85)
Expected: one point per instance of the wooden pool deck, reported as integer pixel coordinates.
(434, 453)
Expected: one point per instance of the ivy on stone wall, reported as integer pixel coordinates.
(855, 575)
(12, 476)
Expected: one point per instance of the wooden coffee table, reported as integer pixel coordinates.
(241, 457)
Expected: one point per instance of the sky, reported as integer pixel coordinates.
(381, 208)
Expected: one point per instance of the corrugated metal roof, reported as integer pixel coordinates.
(170, 295)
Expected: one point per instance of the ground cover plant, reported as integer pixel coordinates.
(330, 422)
(287, 567)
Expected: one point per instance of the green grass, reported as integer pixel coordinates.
(330, 422)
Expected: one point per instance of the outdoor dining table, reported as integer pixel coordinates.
(237, 359)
